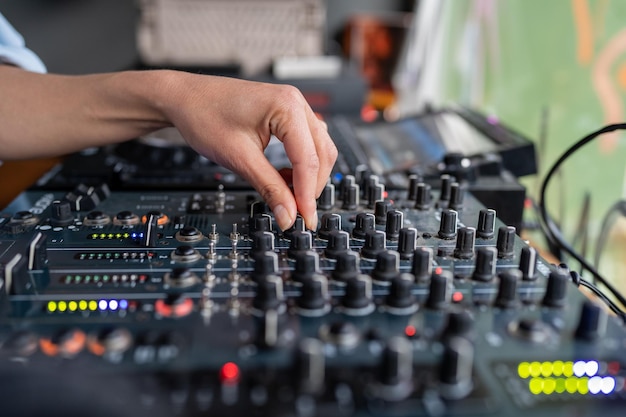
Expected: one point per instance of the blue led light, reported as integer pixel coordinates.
(123, 304)
(113, 304)
(102, 305)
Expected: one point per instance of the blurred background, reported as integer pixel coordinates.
(552, 70)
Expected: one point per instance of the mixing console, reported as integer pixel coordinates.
(190, 303)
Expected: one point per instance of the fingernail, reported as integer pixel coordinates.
(282, 217)
(313, 223)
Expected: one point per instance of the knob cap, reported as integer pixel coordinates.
(422, 265)
(447, 225)
(301, 241)
(507, 289)
(269, 294)
(298, 226)
(265, 264)
(307, 264)
(351, 198)
(313, 299)
(61, 214)
(380, 211)
(395, 221)
(387, 266)
(592, 322)
(527, 263)
(311, 366)
(364, 223)
(486, 224)
(465, 243)
(375, 242)
(423, 198)
(326, 200)
(396, 369)
(485, 267)
(455, 369)
(261, 242)
(556, 290)
(457, 195)
(347, 266)
(357, 299)
(328, 223)
(400, 298)
(439, 291)
(506, 242)
(338, 243)
(407, 242)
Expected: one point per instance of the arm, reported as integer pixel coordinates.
(227, 120)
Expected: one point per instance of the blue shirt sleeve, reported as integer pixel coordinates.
(13, 49)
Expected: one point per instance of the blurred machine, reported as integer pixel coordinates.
(142, 280)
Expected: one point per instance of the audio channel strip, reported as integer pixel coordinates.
(182, 303)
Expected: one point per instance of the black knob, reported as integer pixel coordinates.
(592, 321)
(313, 299)
(265, 264)
(413, 181)
(347, 266)
(407, 242)
(527, 263)
(351, 198)
(61, 214)
(357, 298)
(380, 211)
(338, 243)
(307, 264)
(269, 293)
(447, 224)
(506, 242)
(387, 266)
(364, 223)
(300, 242)
(457, 195)
(311, 366)
(439, 290)
(556, 289)
(375, 242)
(261, 223)
(396, 369)
(423, 199)
(507, 289)
(486, 224)
(400, 297)
(465, 239)
(298, 226)
(328, 223)
(455, 369)
(395, 221)
(485, 267)
(422, 265)
(444, 190)
(459, 323)
(326, 200)
(261, 242)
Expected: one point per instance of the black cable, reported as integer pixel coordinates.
(578, 280)
(549, 226)
(618, 207)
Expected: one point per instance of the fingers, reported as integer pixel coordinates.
(311, 151)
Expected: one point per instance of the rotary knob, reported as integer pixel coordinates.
(338, 243)
(364, 223)
(387, 267)
(347, 267)
(328, 223)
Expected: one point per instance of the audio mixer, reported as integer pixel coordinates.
(192, 303)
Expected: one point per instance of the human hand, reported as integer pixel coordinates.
(230, 121)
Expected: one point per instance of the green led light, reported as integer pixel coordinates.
(560, 386)
(52, 306)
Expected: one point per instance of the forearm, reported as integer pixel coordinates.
(46, 114)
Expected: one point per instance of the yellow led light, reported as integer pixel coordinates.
(560, 386)
(93, 305)
(535, 386)
(72, 305)
(557, 368)
(546, 369)
(82, 305)
(571, 385)
(535, 369)
(549, 385)
(583, 386)
(62, 306)
(52, 306)
(523, 370)
(568, 369)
